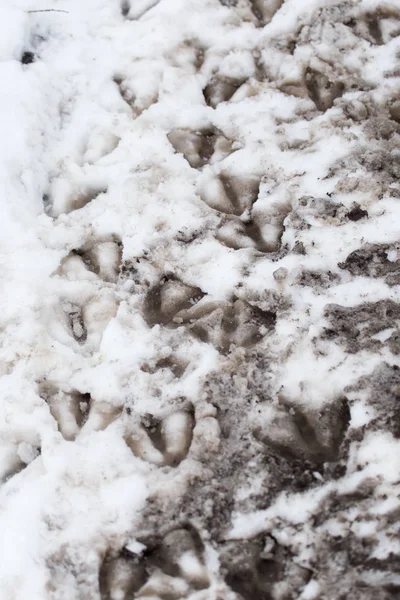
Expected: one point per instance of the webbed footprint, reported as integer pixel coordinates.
(200, 147)
(69, 409)
(313, 436)
(167, 298)
(163, 442)
(75, 411)
(322, 91)
(224, 324)
(121, 577)
(229, 194)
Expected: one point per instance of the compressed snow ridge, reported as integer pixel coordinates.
(200, 318)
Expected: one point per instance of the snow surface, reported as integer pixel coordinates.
(199, 325)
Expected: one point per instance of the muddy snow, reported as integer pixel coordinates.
(200, 318)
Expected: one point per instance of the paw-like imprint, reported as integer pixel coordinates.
(121, 577)
(321, 90)
(243, 233)
(377, 27)
(166, 299)
(254, 567)
(70, 410)
(221, 89)
(137, 105)
(313, 436)
(163, 442)
(86, 324)
(189, 52)
(103, 259)
(170, 569)
(75, 412)
(200, 147)
(225, 324)
(229, 194)
(173, 303)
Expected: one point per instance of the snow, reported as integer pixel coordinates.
(185, 349)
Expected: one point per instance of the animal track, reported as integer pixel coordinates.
(173, 303)
(75, 412)
(226, 324)
(102, 258)
(101, 415)
(161, 442)
(253, 567)
(136, 103)
(264, 10)
(321, 90)
(170, 568)
(68, 196)
(228, 193)
(84, 324)
(221, 89)
(314, 436)
(239, 233)
(200, 147)
(121, 577)
(377, 27)
(164, 300)
(70, 410)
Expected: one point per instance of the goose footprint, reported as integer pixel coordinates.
(163, 442)
(77, 412)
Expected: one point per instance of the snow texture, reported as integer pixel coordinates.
(200, 318)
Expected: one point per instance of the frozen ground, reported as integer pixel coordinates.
(199, 324)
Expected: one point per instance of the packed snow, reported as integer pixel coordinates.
(200, 318)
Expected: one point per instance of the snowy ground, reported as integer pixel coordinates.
(200, 318)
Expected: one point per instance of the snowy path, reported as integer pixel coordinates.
(200, 318)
